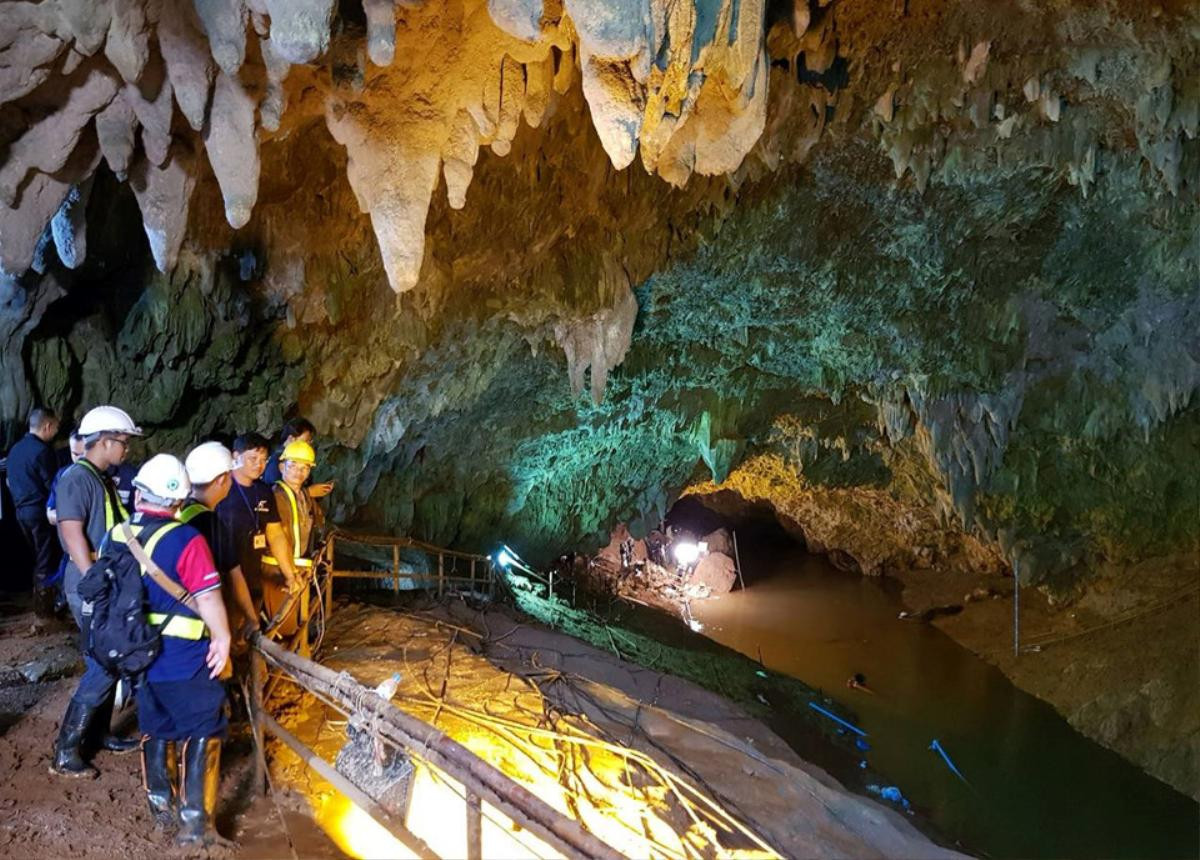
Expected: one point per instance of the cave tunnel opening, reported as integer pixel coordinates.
(759, 532)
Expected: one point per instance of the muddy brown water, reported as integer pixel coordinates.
(1033, 787)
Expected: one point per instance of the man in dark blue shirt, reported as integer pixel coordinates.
(251, 516)
(31, 468)
(209, 465)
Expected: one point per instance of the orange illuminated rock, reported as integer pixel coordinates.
(716, 571)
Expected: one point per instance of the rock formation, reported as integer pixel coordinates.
(922, 276)
(689, 84)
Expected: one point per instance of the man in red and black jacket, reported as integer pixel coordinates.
(181, 701)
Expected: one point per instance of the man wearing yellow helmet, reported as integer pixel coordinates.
(300, 518)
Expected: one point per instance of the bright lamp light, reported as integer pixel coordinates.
(686, 552)
(503, 558)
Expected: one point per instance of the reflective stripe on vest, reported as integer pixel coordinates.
(298, 562)
(189, 512)
(149, 545)
(112, 502)
(298, 556)
(180, 626)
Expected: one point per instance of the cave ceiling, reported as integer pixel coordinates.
(904, 269)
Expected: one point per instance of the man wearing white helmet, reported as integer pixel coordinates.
(210, 467)
(181, 701)
(87, 508)
(87, 502)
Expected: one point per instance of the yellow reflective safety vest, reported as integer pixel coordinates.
(114, 511)
(190, 511)
(180, 626)
(298, 547)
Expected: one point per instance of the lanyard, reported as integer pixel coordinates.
(246, 502)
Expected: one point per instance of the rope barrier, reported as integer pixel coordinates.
(1046, 639)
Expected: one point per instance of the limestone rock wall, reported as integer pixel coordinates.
(930, 267)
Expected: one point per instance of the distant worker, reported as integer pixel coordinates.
(250, 514)
(75, 447)
(180, 701)
(301, 518)
(122, 478)
(295, 430)
(75, 450)
(88, 508)
(31, 468)
(209, 466)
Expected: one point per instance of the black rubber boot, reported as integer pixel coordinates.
(198, 794)
(68, 760)
(116, 744)
(102, 736)
(160, 771)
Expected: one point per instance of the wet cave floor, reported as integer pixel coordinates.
(653, 765)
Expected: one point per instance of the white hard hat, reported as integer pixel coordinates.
(207, 462)
(164, 476)
(108, 419)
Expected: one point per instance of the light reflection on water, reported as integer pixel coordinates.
(1037, 788)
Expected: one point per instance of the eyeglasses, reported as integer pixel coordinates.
(122, 441)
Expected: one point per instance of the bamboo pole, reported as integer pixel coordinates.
(258, 678)
(474, 827)
(396, 568)
(562, 833)
(358, 797)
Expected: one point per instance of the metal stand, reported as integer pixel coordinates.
(738, 561)
(1016, 611)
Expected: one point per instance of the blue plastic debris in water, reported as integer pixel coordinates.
(890, 793)
(861, 744)
(837, 719)
(936, 746)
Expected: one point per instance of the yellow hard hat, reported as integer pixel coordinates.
(299, 452)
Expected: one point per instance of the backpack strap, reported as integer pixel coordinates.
(155, 572)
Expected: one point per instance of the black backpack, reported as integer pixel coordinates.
(120, 638)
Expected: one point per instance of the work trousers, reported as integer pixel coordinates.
(40, 536)
(177, 710)
(96, 686)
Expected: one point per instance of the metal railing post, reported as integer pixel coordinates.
(1016, 610)
(328, 597)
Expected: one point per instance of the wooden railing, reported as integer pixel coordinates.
(478, 571)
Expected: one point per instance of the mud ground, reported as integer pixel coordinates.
(46, 816)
